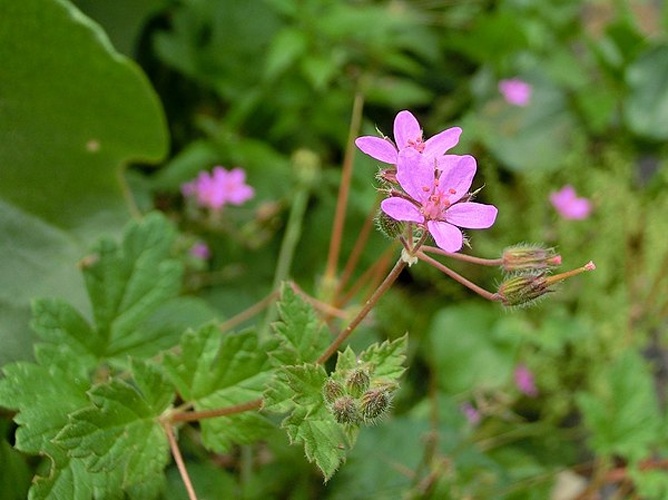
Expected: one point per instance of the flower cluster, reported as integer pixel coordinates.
(220, 187)
(430, 188)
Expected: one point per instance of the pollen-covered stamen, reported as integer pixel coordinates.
(416, 144)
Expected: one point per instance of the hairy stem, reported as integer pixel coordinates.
(457, 277)
(463, 257)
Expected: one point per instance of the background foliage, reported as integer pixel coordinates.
(106, 108)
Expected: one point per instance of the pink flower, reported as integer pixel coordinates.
(471, 414)
(524, 381)
(568, 205)
(214, 190)
(515, 91)
(200, 250)
(408, 134)
(436, 196)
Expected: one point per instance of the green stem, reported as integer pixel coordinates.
(291, 237)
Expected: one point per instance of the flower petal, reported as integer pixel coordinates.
(437, 145)
(471, 215)
(378, 148)
(415, 173)
(446, 236)
(458, 172)
(401, 209)
(406, 129)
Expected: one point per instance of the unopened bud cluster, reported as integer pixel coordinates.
(357, 399)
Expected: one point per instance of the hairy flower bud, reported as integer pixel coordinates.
(358, 382)
(528, 258)
(388, 226)
(346, 410)
(375, 404)
(332, 390)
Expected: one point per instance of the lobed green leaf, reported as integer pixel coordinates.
(214, 370)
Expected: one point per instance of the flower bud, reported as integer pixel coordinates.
(527, 258)
(388, 226)
(358, 382)
(345, 410)
(524, 289)
(375, 404)
(332, 390)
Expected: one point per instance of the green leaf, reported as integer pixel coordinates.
(646, 107)
(310, 422)
(622, 412)
(300, 336)
(121, 431)
(45, 393)
(73, 112)
(526, 138)
(127, 283)
(470, 348)
(387, 358)
(215, 370)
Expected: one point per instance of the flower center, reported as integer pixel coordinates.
(416, 144)
(434, 207)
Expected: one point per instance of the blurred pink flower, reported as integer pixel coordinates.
(515, 91)
(214, 190)
(524, 381)
(471, 414)
(408, 134)
(200, 250)
(568, 205)
(436, 196)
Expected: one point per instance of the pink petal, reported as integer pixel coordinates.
(471, 215)
(415, 173)
(458, 172)
(378, 148)
(446, 236)
(406, 129)
(441, 142)
(401, 209)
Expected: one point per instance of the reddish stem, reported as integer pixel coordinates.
(342, 200)
(192, 416)
(178, 458)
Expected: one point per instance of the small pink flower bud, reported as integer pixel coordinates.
(528, 258)
(346, 411)
(375, 404)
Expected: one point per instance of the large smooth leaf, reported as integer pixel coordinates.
(72, 113)
(646, 107)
